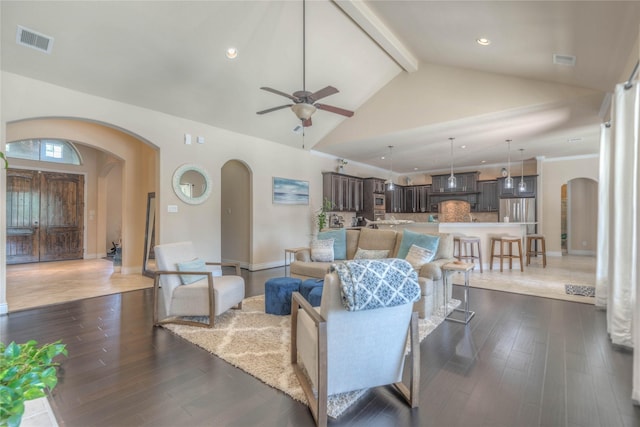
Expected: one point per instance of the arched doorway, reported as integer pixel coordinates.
(579, 223)
(236, 211)
(115, 154)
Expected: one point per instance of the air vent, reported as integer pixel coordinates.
(33, 39)
(564, 60)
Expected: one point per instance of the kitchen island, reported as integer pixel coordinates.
(483, 230)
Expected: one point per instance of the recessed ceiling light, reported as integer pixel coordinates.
(483, 161)
(415, 169)
(382, 158)
(463, 146)
(231, 53)
(483, 41)
(575, 139)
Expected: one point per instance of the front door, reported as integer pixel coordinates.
(44, 216)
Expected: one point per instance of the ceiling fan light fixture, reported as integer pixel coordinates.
(303, 110)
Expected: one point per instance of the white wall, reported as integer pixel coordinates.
(582, 216)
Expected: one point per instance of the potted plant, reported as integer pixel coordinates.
(26, 372)
(327, 205)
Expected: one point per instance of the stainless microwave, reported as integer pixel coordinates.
(378, 201)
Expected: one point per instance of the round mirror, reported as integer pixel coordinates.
(191, 184)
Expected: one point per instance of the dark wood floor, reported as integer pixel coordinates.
(522, 361)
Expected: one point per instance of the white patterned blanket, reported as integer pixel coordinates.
(374, 283)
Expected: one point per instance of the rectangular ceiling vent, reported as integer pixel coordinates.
(33, 39)
(564, 60)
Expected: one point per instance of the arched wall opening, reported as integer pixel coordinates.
(236, 213)
(123, 170)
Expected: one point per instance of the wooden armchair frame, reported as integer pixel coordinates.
(209, 274)
(318, 405)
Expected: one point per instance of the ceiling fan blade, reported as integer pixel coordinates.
(333, 109)
(322, 93)
(268, 110)
(307, 123)
(277, 92)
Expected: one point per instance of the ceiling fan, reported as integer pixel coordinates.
(305, 102)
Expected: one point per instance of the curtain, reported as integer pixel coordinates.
(604, 214)
(618, 270)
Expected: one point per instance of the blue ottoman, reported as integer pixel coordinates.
(277, 294)
(315, 296)
(308, 285)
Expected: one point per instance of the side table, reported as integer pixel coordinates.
(447, 271)
(288, 253)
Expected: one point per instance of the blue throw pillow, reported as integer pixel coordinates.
(426, 241)
(193, 265)
(339, 237)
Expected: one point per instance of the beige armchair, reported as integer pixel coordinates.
(191, 287)
(335, 351)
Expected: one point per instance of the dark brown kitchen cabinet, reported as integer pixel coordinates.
(395, 199)
(343, 191)
(373, 199)
(466, 182)
(530, 191)
(488, 201)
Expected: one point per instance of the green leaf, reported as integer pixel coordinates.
(2, 156)
(27, 371)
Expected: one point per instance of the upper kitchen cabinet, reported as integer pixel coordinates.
(466, 182)
(344, 191)
(488, 200)
(530, 191)
(395, 200)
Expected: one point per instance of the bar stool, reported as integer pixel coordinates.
(510, 240)
(467, 245)
(531, 238)
(456, 244)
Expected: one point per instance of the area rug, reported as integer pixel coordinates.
(586, 291)
(259, 344)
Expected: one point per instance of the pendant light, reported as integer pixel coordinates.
(390, 180)
(522, 187)
(508, 182)
(451, 182)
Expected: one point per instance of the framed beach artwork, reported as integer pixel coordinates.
(290, 191)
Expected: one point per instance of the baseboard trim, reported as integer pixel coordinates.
(265, 265)
(256, 267)
(4, 308)
(581, 253)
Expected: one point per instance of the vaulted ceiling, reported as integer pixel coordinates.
(411, 70)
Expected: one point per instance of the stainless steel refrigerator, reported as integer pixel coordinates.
(519, 210)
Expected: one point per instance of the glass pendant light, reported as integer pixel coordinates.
(522, 187)
(390, 180)
(451, 182)
(508, 182)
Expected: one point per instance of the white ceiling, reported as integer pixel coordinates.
(169, 56)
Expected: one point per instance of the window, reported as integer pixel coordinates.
(44, 150)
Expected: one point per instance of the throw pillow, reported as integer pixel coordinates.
(339, 237)
(371, 253)
(195, 264)
(322, 250)
(409, 238)
(418, 256)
